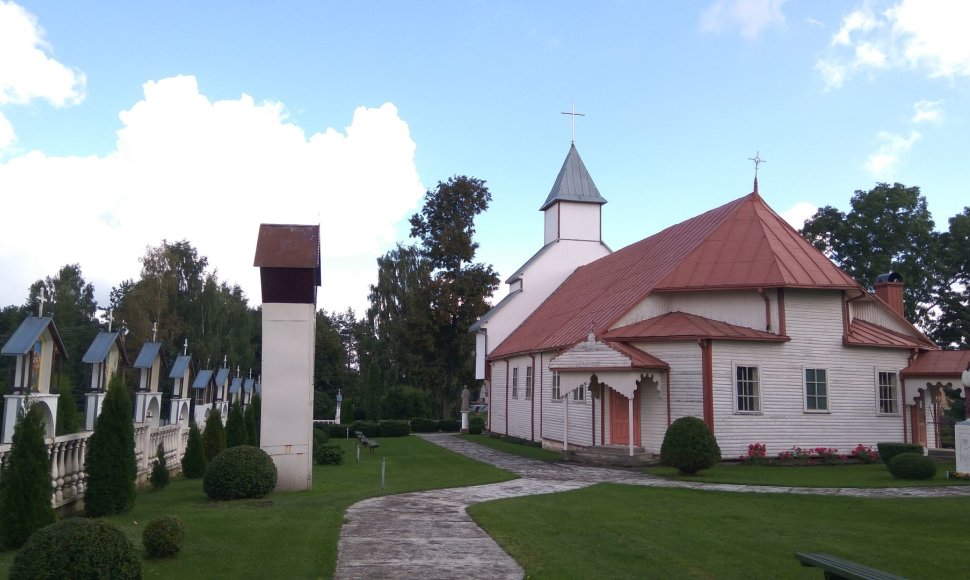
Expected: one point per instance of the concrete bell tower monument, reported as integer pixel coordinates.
(288, 258)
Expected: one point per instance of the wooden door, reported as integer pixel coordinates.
(620, 419)
(918, 416)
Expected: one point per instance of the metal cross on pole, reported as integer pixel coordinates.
(185, 347)
(573, 114)
(154, 331)
(110, 318)
(757, 161)
(41, 299)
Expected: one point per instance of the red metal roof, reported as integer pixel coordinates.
(684, 326)
(638, 358)
(742, 244)
(939, 363)
(862, 333)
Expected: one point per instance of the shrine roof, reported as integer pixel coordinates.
(23, 339)
(146, 357)
(222, 375)
(180, 366)
(101, 346)
(236, 384)
(202, 379)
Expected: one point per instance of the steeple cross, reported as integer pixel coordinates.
(110, 318)
(185, 347)
(41, 299)
(225, 361)
(757, 161)
(154, 331)
(573, 114)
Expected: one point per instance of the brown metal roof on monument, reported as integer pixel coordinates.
(288, 258)
(742, 244)
(684, 326)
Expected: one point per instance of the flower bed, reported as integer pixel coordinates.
(758, 455)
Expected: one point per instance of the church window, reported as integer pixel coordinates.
(888, 393)
(515, 383)
(747, 389)
(816, 390)
(580, 394)
(528, 382)
(556, 392)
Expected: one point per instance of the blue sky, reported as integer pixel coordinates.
(122, 123)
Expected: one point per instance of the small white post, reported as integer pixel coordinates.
(358, 452)
(630, 424)
(383, 466)
(565, 435)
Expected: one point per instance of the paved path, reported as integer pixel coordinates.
(429, 534)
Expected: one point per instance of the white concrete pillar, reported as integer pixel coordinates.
(630, 424)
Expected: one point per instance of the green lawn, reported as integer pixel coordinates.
(852, 475)
(289, 535)
(514, 448)
(617, 531)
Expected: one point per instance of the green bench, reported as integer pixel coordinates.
(372, 445)
(836, 568)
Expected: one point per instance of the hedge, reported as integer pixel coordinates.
(421, 425)
(888, 450)
(394, 428)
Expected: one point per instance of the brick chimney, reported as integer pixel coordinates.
(889, 288)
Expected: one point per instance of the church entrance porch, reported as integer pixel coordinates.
(622, 410)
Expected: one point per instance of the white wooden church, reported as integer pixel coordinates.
(729, 316)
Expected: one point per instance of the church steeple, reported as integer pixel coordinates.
(573, 183)
(573, 206)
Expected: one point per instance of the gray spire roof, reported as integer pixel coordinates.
(573, 183)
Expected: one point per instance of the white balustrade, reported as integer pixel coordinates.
(67, 454)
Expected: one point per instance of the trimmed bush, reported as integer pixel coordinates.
(163, 536)
(368, 428)
(394, 428)
(449, 425)
(689, 446)
(252, 420)
(889, 450)
(240, 472)
(160, 476)
(340, 431)
(214, 436)
(419, 425)
(320, 435)
(193, 462)
(912, 466)
(328, 454)
(110, 462)
(476, 425)
(25, 484)
(77, 548)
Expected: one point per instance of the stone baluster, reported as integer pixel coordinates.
(57, 479)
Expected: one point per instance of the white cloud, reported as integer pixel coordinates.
(750, 16)
(925, 35)
(927, 111)
(186, 167)
(7, 134)
(799, 213)
(27, 71)
(883, 162)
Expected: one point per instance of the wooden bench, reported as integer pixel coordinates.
(836, 568)
(372, 445)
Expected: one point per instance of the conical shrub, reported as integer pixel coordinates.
(110, 463)
(25, 484)
(236, 426)
(193, 462)
(214, 437)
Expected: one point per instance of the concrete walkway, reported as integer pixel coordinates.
(429, 534)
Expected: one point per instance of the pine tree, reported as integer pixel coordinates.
(25, 484)
(193, 462)
(236, 426)
(110, 463)
(214, 437)
(252, 426)
(160, 476)
(68, 417)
